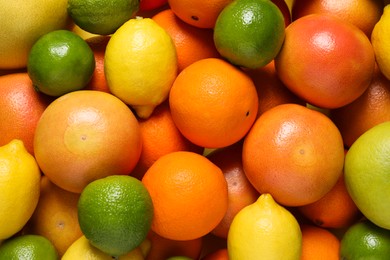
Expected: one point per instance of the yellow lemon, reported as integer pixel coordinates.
(23, 22)
(82, 249)
(141, 64)
(264, 230)
(19, 187)
(380, 39)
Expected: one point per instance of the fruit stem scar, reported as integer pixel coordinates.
(196, 18)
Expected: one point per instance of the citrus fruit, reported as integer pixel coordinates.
(201, 13)
(23, 23)
(32, 247)
(264, 230)
(102, 17)
(19, 185)
(21, 108)
(241, 193)
(82, 249)
(294, 153)
(335, 209)
(213, 103)
(363, 14)
(115, 213)
(160, 136)
(141, 64)
(162, 248)
(249, 33)
(60, 62)
(365, 240)
(380, 39)
(189, 195)
(318, 64)
(367, 170)
(368, 110)
(319, 243)
(92, 134)
(192, 43)
(98, 45)
(219, 254)
(55, 216)
(147, 5)
(271, 90)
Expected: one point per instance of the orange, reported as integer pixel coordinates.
(160, 136)
(163, 248)
(364, 14)
(294, 153)
(213, 103)
(55, 216)
(192, 43)
(319, 243)
(220, 254)
(201, 13)
(189, 195)
(325, 61)
(86, 135)
(21, 108)
(241, 193)
(370, 109)
(270, 88)
(334, 210)
(98, 81)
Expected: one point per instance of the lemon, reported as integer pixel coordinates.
(102, 17)
(19, 187)
(365, 240)
(115, 214)
(23, 22)
(31, 247)
(141, 65)
(380, 39)
(264, 230)
(82, 249)
(60, 62)
(249, 33)
(367, 174)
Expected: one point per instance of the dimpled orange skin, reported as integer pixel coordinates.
(327, 62)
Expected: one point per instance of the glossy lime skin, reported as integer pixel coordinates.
(365, 240)
(32, 247)
(60, 62)
(249, 33)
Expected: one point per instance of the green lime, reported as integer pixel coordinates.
(102, 17)
(367, 174)
(31, 247)
(115, 213)
(365, 240)
(60, 62)
(249, 33)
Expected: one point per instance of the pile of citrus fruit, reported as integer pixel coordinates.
(195, 130)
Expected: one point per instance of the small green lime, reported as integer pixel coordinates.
(102, 17)
(365, 240)
(115, 213)
(60, 62)
(249, 33)
(31, 247)
(367, 174)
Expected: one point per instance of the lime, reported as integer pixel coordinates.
(32, 247)
(102, 17)
(115, 214)
(60, 62)
(264, 230)
(365, 240)
(19, 187)
(141, 64)
(249, 33)
(380, 39)
(367, 174)
(23, 22)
